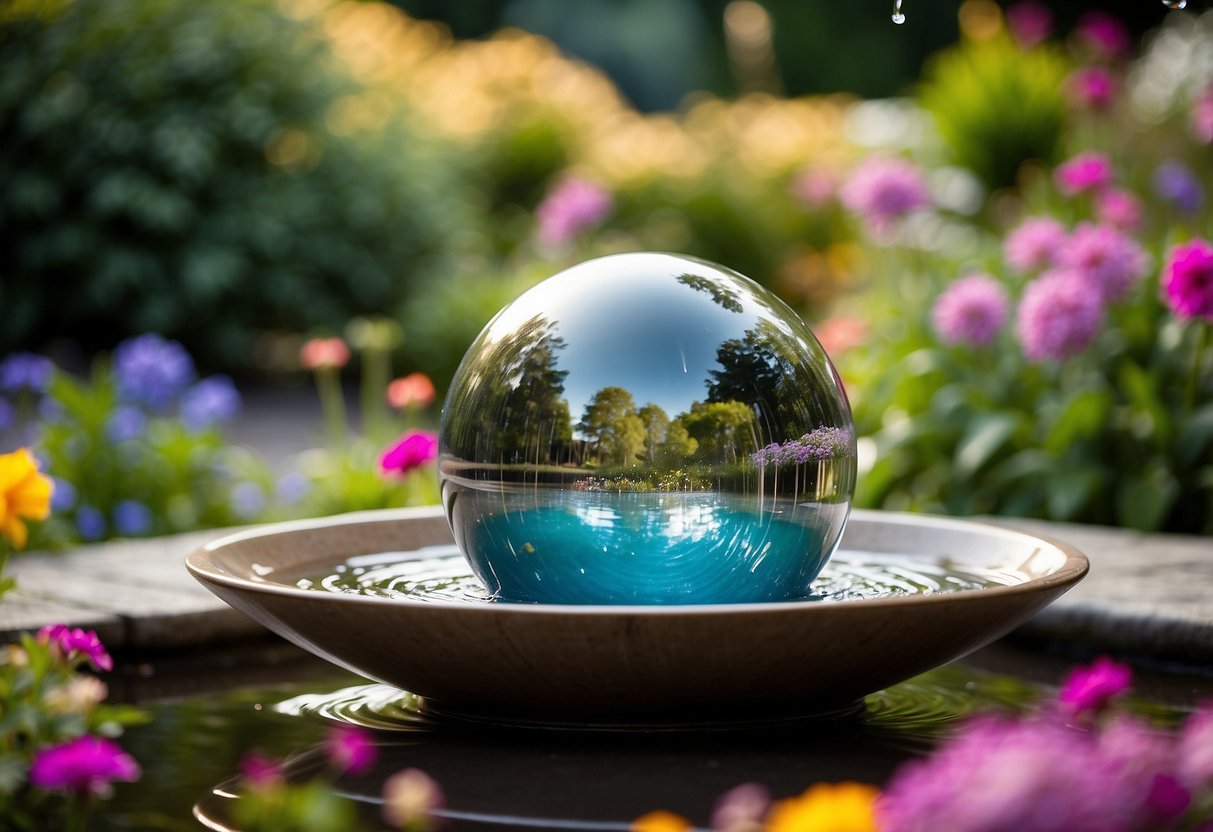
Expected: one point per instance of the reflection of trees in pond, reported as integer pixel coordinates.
(530, 422)
(721, 294)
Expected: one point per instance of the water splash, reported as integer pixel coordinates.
(900, 18)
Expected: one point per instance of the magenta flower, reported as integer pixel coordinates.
(1092, 88)
(351, 750)
(87, 765)
(573, 206)
(1104, 34)
(1034, 244)
(1059, 316)
(1083, 173)
(1195, 751)
(1110, 261)
(260, 772)
(74, 643)
(884, 190)
(999, 776)
(1187, 280)
(971, 311)
(1030, 23)
(1119, 209)
(413, 450)
(1090, 689)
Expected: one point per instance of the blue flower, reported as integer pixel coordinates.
(50, 410)
(25, 371)
(210, 401)
(125, 423)
(132, 518)
(1175, 182)
(64, 495)
(293, 487)
(6, 413)
(90, 523)
(247, 499)
(152, 371)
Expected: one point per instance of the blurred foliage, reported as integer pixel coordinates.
(997, 106)
(191, 169)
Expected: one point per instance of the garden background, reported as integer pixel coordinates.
(998, 230)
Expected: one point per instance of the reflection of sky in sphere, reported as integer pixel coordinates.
(633, 328)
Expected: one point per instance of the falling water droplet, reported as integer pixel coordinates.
(1175, 4)
(900, 18)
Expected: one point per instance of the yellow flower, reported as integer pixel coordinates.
(24, 494)
(661, 821)
(827, 807)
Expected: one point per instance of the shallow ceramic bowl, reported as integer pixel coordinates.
(611, 665)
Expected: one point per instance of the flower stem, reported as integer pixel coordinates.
(332, 403)
(376, 370)
(1198, 355)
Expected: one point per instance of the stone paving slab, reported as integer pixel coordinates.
(1145, 594)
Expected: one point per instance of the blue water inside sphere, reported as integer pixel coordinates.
(647, 429)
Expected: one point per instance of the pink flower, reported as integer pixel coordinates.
(1034, 244)
(840, 333)
(410, 799)
(260, 772)
(883, 190)
(971, 311)
(74, 643)
(413, 450)
(1196, 749)
(1104, 35)
(1084, 172)
(815, 186)
(1187, 280)
(324, 352)
(414, 390)
(1119, 209)
(1092, 88)
(87, 765)
(1090, 689)
(1030, 23)
(350, 750)
(741, 808)
(1059, 316)
(1112, 262)
(1202, 117)
(573, 206)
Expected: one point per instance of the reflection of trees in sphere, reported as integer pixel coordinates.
(647, 428)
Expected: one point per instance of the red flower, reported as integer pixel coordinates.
(414, 390)
(413, 450)
(324, 352)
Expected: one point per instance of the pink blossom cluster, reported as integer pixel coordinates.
(820, 443)
(883, 191)
(971, 311)
(1074, 767)
(573, 206)
(74, 643)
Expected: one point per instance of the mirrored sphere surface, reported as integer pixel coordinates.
(647, 429)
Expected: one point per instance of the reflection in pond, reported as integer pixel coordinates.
(646, 374)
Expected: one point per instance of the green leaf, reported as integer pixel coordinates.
(1195, 435)
(1143, 503)
(1083, 415)
(1071, 490)
(987, 435)
(1140, 389)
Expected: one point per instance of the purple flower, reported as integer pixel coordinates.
(1000, 776)
(292, 487)
(971, 311)
(413, 450)
(90, 523)
(26, 371)
(1030, 23)
(1083, 173)
(1119, 209)
(350, 750)
(63, 496)
(211, 401)
(1195, 750)
(74, 643)
(6, 413)
(1175, 182)
(1143, 760)
(883, 190)
(1059, 316)
(1034, 244)
(127, 422)
(1092, 88)
(1104, 34)
(152, 371)
(248, 499)
(1187, 280)
(1090, 689)
(260, 772)
(1110, 261)
(573, 206)
(132, 518)
(50, 410)
(86, 765)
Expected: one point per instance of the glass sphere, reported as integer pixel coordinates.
(647, 429)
